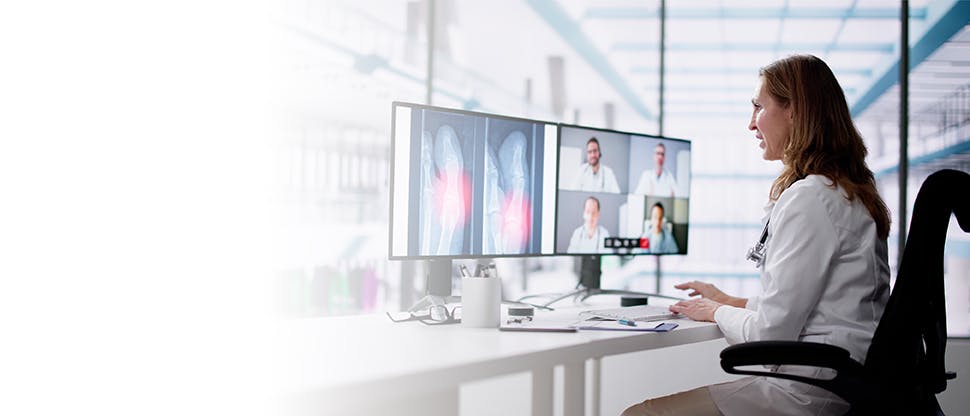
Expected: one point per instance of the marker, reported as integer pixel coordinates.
(626, 322)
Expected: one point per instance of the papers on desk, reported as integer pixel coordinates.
(542, 325)
(616, 326)
(536, 328)
(593, 325)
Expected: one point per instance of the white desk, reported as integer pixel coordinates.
(341, 365)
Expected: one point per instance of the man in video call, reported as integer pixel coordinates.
(588, 237)
(658, 182)
(593, 175)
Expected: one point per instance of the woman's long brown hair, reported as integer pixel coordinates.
(823, 140)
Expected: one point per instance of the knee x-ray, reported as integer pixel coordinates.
(472, 181)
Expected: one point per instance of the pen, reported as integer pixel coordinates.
(626, 322)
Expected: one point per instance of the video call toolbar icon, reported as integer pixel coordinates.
(627, 243)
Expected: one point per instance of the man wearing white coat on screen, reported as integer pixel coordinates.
(593, 175)
(657, 182)
(588, 237)
(824, 270)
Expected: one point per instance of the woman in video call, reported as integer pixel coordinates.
(824, 269)
(661, 239)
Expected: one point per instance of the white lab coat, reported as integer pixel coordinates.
(825, 279)
(580, 243)
(602, 181)
(650, 184)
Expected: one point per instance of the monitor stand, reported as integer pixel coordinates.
(439, 273)
(438, 292)
(590, 272)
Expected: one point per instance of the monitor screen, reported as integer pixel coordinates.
(466, 184)
(621, 193)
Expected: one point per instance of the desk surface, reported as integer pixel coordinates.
(336, 356)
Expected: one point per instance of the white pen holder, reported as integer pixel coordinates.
(481, 302)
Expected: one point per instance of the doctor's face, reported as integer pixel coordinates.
(770, 122)
(593, 153)
(657, 219)
(591, 213)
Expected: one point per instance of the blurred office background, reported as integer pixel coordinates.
(601, 64)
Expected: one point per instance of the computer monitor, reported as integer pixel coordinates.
(620, 193)
(467, 185)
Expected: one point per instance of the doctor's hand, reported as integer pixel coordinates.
(696, 309)
(709, 291)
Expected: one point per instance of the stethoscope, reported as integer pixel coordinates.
(757, 253)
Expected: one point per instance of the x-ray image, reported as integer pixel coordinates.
(513, 201)
(492, 220)
(444, 192)
(507, 204)
(472, 188)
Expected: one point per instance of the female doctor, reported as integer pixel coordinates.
(822, 255)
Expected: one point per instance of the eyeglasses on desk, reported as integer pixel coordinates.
(437, 315)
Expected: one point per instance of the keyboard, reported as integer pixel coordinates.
(642, 313)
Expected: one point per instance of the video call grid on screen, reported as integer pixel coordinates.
(467, 184)
(626, 188)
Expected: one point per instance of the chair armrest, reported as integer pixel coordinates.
(848, 382)
(784, 353)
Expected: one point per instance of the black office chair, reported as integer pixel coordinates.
(904, 365)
